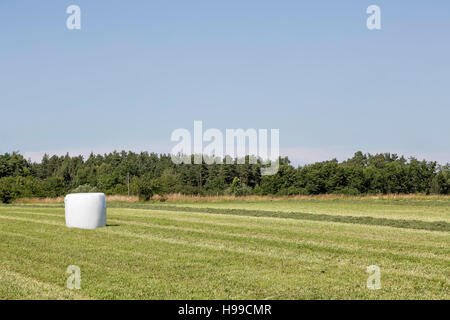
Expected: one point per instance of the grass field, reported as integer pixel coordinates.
(261, 249)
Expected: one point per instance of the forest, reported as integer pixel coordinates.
(146, 174)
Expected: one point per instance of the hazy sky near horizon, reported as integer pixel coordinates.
(138, 70)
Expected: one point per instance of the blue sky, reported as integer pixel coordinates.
(137, 70)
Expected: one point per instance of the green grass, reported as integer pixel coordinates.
(425, 210)
(302, 249)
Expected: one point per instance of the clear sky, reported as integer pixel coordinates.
(137, 70)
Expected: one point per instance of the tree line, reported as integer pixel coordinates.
(146, 174)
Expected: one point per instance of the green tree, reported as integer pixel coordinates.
(147, 187)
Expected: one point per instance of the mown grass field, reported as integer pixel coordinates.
(287, 249)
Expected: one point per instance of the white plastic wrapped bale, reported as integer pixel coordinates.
(85, 210)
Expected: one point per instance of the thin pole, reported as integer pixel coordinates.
(128, 180)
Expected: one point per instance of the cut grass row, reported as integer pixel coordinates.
(367, 220)
(403, 208)
(426, 210)
(373, 219)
